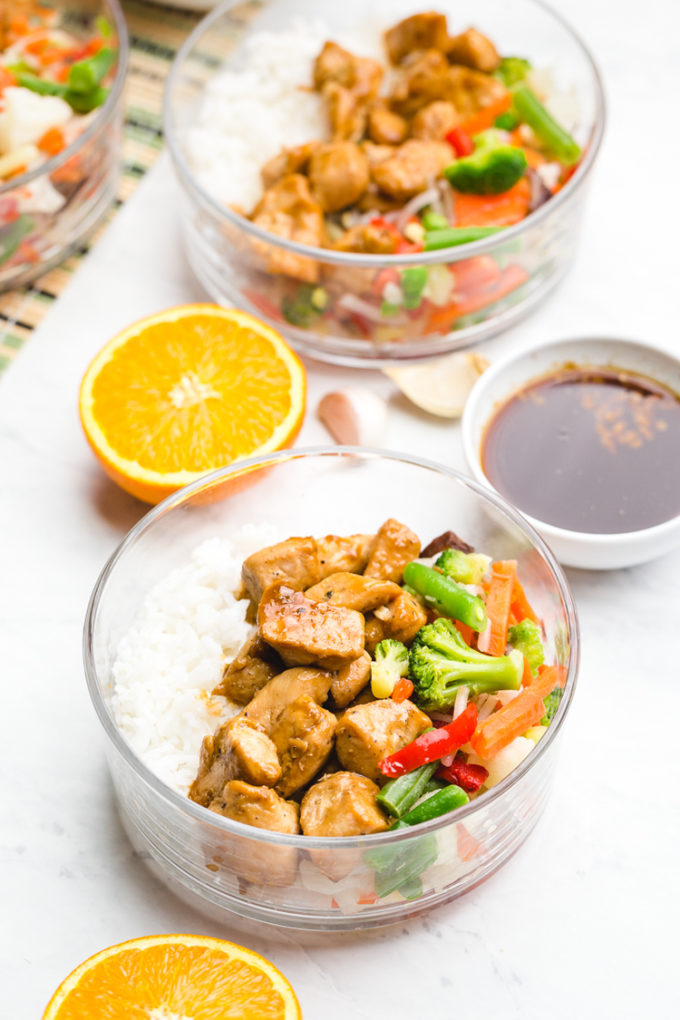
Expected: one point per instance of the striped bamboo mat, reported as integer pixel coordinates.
(156, 33)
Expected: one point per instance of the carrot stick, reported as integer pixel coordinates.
(527, 675)
(484, 118)
(52, 142)
(467, 633)
(403, 689)
(498, 601)
(509, 722)
(521, 607)
(561, 677)
(502, 210)
(545, 681)
(441, 320)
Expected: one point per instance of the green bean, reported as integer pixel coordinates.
(444, 595)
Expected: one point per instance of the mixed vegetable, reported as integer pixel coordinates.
(51, 83)
(453, 144)
(430, 667)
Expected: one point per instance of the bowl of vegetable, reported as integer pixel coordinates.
(62, 71)
(330, 712)
(383, 187)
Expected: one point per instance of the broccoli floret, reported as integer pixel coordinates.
(492, 168)
(306, 306)
(441, 662)
(511, 70)
(526, 637)
(551, 705)
(391, 662)
(468, 568)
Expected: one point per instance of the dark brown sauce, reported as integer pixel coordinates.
(590, 449)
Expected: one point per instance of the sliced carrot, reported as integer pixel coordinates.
(467, 633)
(561, 671)
(6, 78)
(498, 602)
(533, 157)
(509, 722)
(547, 678)
(467, 846)
(511, 278)
(367, 897)
(475, 274)
(521, 607)
(502, 210)
(527, 675)
(485, 117)
(403, 689)
(26, 252)
(52, 142)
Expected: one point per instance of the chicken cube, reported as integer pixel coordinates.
(349, 681)
(385, 127)
(424, 78)
(394, 546)
(401, 618)
(339, 174)
(475, 50)
(338, 66)
(303, 631)
(368, 239)
(295, 561)
(418, 32)
(254, 666)
(303, 737)
(434, 121)
(470, 90)
(343, 552)
(353, 591)
(269, 703)
(346, 114)
(368, 733)
(288, 210)
(413, 168)
(288, 161)
(263, 808)
(239, 750)
(340, 804)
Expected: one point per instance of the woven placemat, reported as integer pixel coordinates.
(156, 33)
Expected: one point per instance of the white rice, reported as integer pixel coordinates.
(246, 116)
(172, 657)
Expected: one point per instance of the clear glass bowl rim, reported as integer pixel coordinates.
(105, 114)
(302, 842)
(377, 261)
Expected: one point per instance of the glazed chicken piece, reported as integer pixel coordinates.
(263, 808)
(268, 704)
(423, 80)
(413, 168)
(353, 591)
(288, 210)
(350, 681)
(303, 737)
(394, 546)
(418, 32)
(470, 90)
(336, 64)
(288, 161)
(303, 631)
(375, 631)
(341, 804)
(385, 127)
(367, 238)
(368, 733)
(339, 174)
(401, 618)
(343, 552)
(254, 666)
(295, 561)
(239, 750)
(377, 153)
(346, 113)
(475, 50)
(434, 121)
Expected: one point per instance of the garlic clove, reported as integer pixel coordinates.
(354, 417)
(440, 387)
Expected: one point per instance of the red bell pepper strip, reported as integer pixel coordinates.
(469, 777)
(460, 142)
(431, 745)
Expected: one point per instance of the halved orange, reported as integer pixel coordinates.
(187, 391)
(174, 977)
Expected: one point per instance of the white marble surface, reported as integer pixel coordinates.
(583, 921)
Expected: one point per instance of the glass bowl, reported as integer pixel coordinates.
(226, 251)
(223, 866)
(48, 211)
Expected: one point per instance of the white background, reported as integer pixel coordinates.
(583, 921)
